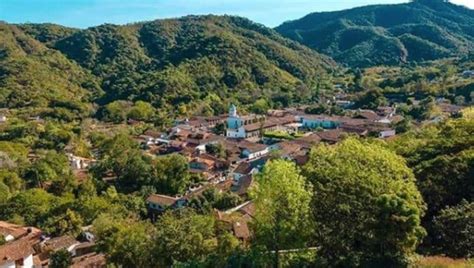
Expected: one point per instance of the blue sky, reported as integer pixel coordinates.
(85, 13)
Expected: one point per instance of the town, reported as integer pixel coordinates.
(236, 133)
(226, 152)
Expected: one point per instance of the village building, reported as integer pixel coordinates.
(236, 124)
(18, 249)
(320, 121)
(78, 162)
(159, 203)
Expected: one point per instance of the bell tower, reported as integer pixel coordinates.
(233, 111)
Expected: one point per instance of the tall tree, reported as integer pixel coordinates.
(170, 174)
(454, 230)
(366, 205)
(184, 236)
(60, 259)
(282, 203)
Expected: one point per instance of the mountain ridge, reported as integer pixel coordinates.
(387, 34)
(181, 62)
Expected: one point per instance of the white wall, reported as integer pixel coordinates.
(236, 133)
(28, 262)
(386, 133)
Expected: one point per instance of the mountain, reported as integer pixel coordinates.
(387, 34)
(197, 62)
(33, 75)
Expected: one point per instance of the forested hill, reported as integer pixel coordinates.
(192, 63)
(387, 34)
(32, 75)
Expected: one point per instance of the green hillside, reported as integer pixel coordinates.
(194, 63)
(34, 76)
(387, 34)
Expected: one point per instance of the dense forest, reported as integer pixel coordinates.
(387, 34)
(178, 65)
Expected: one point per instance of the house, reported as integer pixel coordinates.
(160, 203)
(49, 245)
(17, 253)
(307, 142)
(78, 162)
(249, 168)
(344, 103)
(450, 109)
(386, 111)
(205, 121)
(241, 230)
(200, 140)
(367, 114)
(57, 243)
(242, 185)
(331, 136)
(386, 133)
(3, 118)
(91, 260)
(289, 149)
(356, 126)
(252, 150)
(18, 249)
(11, 231)
(320, 121)
(155, 137)
(241, 170)
(207, 162)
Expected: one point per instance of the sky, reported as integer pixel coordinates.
(86, 13)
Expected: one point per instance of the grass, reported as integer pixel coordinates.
(442, 262)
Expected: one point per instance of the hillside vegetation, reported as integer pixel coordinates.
(387, 34)
(32, 75)
(194, 63)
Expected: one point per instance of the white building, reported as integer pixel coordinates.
(235, 124)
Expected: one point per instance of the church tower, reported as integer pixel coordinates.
(233, 111)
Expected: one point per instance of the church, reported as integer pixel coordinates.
(242, 127)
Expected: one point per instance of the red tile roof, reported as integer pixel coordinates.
(15, 250)
(243, 168)
(241, 229)
(14, 230)
(92, 260)
(162, 199)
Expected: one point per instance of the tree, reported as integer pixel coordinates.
(142, 111)
(122, 155)
(366, 205)
(116, 111)
(4, 193)
(70, 223)
(11, 180)
(52, 167)
(371, 100)
(184, 236)
(170, 174)
(454, 230)
(128, 243)
(260, 106)
(282, 216)
(31, 205)
(60, 259)
(217, 150)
